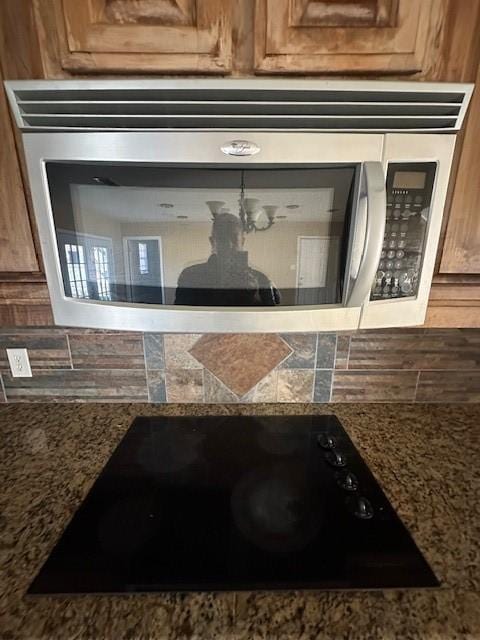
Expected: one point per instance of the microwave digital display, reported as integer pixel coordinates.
(409, 180)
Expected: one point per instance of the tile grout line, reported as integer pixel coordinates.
(416, 388)
(2, 387)
(334, 367)
(146, 369)
(335, 352)
(340, 371)
(347, 367)
(67, 338)
(312, 397)
(399, 370)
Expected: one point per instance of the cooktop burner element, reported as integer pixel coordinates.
(230, 503)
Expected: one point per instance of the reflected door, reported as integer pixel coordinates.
(316, 264)
(143, 270)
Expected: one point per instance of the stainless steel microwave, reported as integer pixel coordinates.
(239, 205)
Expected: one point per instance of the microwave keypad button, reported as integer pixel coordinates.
(403, 244)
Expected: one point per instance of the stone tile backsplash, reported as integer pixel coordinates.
(401, 365)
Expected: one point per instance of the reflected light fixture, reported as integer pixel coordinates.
(249, 210)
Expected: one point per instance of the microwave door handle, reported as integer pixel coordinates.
(374, 233)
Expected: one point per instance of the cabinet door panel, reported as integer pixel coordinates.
(17, 251)
(353, 36)
(461, 249)
(141, 35)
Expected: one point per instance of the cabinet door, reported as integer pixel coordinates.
(461, 248)
(347, 36)
(169, 36)
(17, 251)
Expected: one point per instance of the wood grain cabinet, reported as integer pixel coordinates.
(144, 36)
(455, 295)
(347, 36)
(17, 250)
(433, 40)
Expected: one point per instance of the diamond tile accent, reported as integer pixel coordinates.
(216, 391)
(240, 360)
(303, 346)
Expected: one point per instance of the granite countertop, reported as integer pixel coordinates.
(426, 457)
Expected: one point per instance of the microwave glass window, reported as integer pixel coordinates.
(409, 180)
(202, 236)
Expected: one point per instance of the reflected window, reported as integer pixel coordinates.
(142, 258)
(89, 264)
(102, 272)
(77, 275)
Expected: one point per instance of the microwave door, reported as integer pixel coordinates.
(370, 224)
(127, 239)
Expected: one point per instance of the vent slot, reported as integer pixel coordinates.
(237, 104)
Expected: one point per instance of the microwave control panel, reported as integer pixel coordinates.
(409, 195)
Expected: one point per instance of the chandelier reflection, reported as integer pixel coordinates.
(249, 211)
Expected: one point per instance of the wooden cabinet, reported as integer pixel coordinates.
(143, 36)
(17, 250)
(353, 36)
(405, 39)
(24, 298)
(455, 295)
(461, 249)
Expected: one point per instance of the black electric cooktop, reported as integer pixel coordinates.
(230, 503)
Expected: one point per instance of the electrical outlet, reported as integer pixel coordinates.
(19, 363)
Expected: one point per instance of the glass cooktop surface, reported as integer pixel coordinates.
(232, 503)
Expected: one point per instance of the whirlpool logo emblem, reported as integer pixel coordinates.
(240, 148)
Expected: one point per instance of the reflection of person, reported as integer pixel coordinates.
(225, 279)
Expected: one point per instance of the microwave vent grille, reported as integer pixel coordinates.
(235, 105)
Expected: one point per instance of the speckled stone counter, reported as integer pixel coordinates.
(427, 458)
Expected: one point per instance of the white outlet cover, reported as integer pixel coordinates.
(19, 363)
